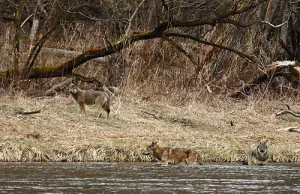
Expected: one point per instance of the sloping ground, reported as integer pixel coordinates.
(60, 133)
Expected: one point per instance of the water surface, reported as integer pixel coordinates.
(147, 178)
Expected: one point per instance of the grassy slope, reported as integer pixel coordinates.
(60, 133)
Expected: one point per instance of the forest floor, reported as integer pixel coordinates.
(60, 133)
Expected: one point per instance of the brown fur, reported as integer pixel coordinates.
(90, 97)
(173, 156)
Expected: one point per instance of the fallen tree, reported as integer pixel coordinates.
(290, 70)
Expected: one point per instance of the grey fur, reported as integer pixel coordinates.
(90, 97)
(259, 155)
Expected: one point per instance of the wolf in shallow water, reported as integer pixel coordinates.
(259, 155)
(173, 156)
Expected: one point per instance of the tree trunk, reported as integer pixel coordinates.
(16, 45)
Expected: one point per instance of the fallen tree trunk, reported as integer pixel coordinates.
(287, 69)
(59, 87)
(68, 53)
(28, 112)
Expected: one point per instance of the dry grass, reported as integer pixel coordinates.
(60, 133)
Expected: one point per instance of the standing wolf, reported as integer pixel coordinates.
(90, 97)
(173, 156)
(259, 154)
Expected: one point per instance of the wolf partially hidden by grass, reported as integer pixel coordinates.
(173, 156)
(89, 97)
(259, 155)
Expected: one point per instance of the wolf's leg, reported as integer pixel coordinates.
(165, 157)
(98, 103)
(250, 159)
(82, 108)
(187, 161)
(106, 107)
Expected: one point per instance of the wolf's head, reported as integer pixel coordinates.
(262, 150)
(73, 88)
(151, 148)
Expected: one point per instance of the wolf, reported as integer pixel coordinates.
(89, 97)
(173, 156)
(259, 155)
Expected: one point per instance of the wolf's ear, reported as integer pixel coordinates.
(258, 142)
(154, 142)
(263, 141)
(74, 81)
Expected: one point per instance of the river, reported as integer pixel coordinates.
(147, 178)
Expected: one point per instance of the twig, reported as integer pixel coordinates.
(127, 33)
(288, 112)
(247, 57)
(272, 25)
(152, 114)
(291, 129)
(26, 20)
(178, 47)
(170, 16)
(28, 112)
(190, 57)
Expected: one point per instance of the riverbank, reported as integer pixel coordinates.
(221, 130)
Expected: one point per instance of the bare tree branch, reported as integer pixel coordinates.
(247, 57)
(274, 26)
(178, 47)
(288, 112)
(128, 30)
(291, 129)
(35, 52)
(191, 58)
(170, 16)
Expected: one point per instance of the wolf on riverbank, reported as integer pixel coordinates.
(89, 97)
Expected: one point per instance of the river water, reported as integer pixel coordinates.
(147, 178)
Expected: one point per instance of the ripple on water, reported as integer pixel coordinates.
(147, 178)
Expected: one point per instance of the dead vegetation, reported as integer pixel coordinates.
(221, 130)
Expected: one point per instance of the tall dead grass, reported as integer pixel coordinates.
(60, 133)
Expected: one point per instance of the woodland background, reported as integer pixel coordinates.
(181, 67)
(153, 47)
